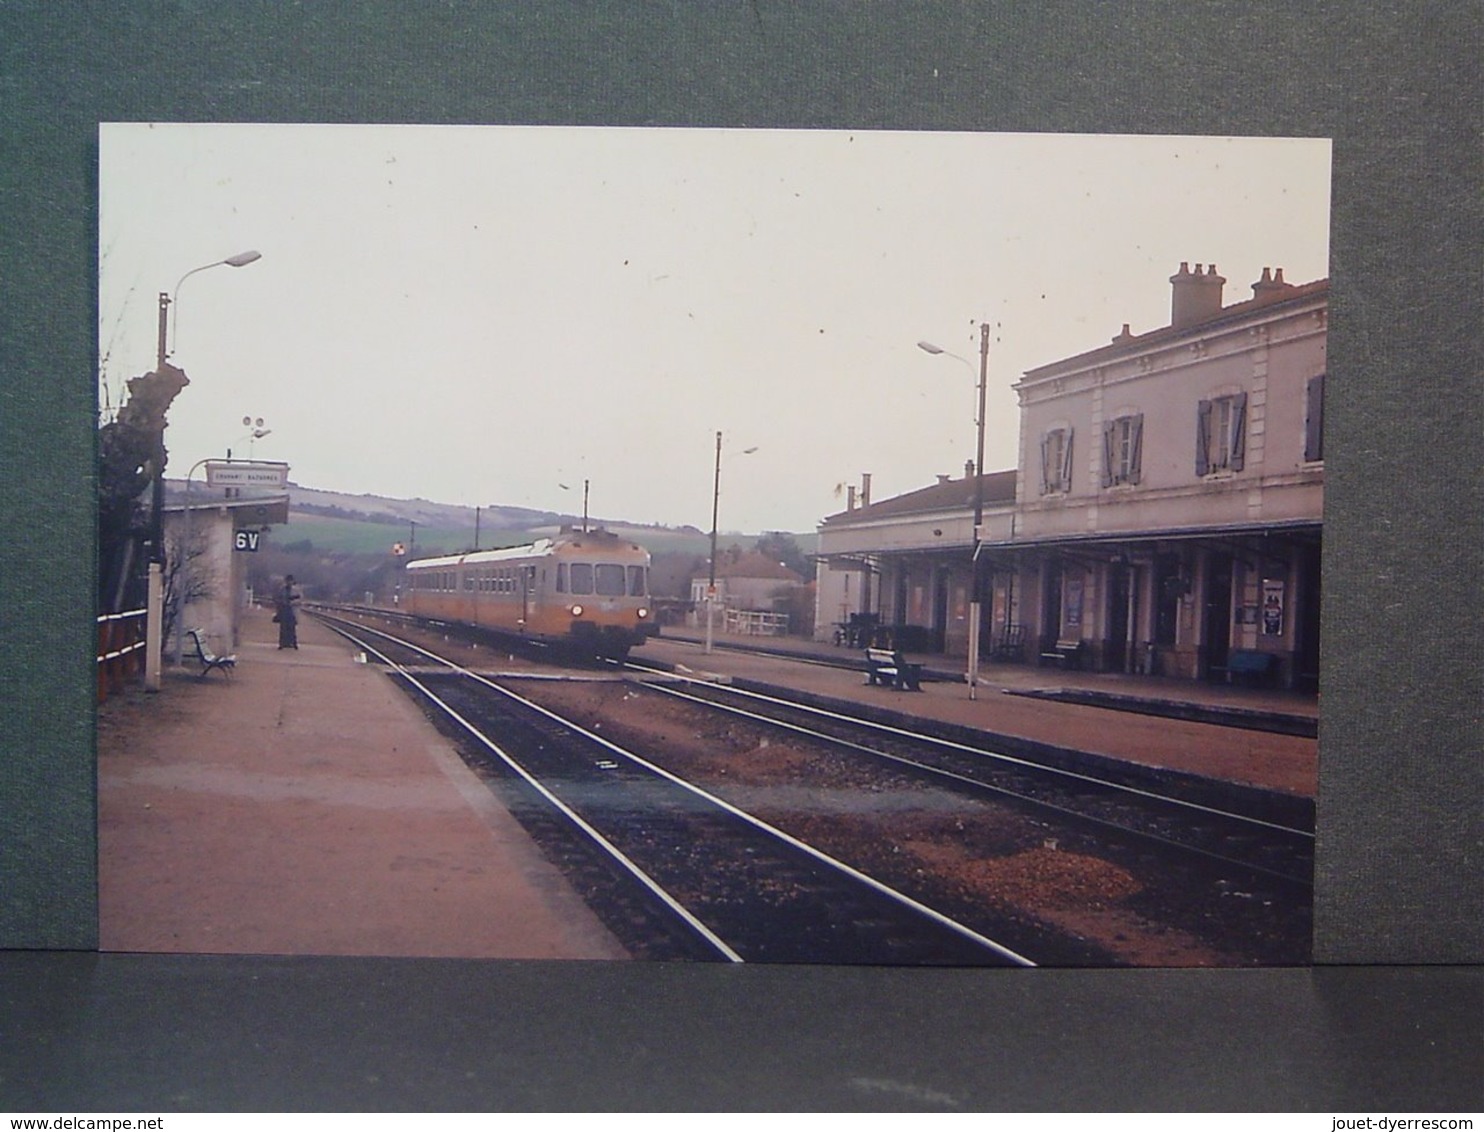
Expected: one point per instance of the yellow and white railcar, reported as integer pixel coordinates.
(585, 589)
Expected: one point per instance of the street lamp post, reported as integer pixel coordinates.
(711, 574)
(972, 676)
(155, 615)
(241, 259)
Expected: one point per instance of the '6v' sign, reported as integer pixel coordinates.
(246, 540)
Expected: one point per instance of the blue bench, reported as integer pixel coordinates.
(1250, 664)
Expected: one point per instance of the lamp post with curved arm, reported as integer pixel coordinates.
(241, 259)
(972, 676)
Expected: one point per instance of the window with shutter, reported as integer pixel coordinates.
(1221, 435)
(1123, 441)
(1314, 420)
(1056, 461)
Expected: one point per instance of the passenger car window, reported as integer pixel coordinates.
(610, 579)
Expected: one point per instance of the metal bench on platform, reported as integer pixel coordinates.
(209, 660)
(890, 669)
(1064, 654)
(1250, 664)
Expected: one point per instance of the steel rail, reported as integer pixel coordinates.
(892, 894)
(965, 748)
(717, 944)
(987, 787)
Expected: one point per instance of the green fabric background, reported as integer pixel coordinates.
(1397, 90)
(1396, 87)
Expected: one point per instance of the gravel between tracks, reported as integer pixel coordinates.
(961, 855)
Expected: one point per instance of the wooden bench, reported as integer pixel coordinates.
(209, 660)
(1064, 654)
(890, 669)
(1009, 644)
(1250, 664)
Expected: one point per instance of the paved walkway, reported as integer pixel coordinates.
(303, 807)
(1283, 762)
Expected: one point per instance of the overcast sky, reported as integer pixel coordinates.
(482, 315)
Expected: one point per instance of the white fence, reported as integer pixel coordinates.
(755, 623)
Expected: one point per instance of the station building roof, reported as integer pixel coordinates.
(945, 495)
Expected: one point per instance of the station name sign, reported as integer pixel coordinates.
(247, 473)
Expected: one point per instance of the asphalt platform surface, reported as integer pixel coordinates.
(1257, 737)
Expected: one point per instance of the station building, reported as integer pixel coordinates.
(752, 594)
(210, 535)
(1165, 516)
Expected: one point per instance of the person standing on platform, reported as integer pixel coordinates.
(287, 616)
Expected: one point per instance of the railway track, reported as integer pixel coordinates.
(715, 881)
(1176, 819)
(1215, 870)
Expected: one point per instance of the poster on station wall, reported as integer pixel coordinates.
(1074, 602)
(1272, 607)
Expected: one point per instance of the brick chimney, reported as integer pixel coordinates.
(968, 469)
(1195, 295)
(850, 497)
(1270, 286)
(865, 489)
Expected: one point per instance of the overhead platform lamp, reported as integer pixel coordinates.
(972, 675)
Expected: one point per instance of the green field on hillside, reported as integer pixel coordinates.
(328, 534)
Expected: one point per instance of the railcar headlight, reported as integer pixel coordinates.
(643, 613)
(577, 611)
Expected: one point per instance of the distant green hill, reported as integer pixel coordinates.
(334, 523)
(337, 535)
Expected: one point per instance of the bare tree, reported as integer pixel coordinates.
(188, 577)
(131, 460)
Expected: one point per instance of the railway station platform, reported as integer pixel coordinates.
(1256, 737)
(301, 806)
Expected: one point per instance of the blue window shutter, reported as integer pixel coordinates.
(1314, 420)
(1202, 434)
(1136, 448)
(1066, 460)
(1239, 431)
(1109, 428)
